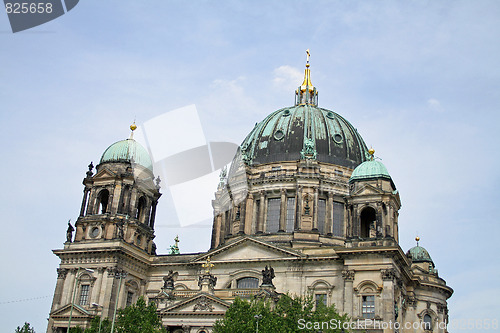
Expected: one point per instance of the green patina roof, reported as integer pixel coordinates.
(129, 151)
(419, 254)
(370, 169)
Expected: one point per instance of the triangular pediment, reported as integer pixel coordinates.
(248, 248)
(64, 311)
(104, 174)
(201, 303)
(368, 189)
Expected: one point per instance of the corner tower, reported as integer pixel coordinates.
(120, 199)
(105, 265)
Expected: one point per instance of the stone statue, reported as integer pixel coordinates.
(69, 232)
(267, 276)
(119, 234)
(158, 181)
(89, 173)
(168, 281)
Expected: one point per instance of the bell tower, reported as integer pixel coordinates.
(373, 202)
(120, 199)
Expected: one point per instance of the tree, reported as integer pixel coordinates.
(139, 318)
(289, 314)
(76, 329)
(25, 329)
(105, 325)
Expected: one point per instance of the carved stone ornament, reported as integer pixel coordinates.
(61, 273)
(388, 274)
(348, 275)
(442, 308)
(203, 304)
(411, 301)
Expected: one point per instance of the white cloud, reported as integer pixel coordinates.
(434, 105)
(287, 78)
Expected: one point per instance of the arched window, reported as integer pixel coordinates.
(427, 322)
(102, 202)
(368, 218)
(141, 209)
(247, 283)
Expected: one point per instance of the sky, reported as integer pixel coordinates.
(419, 80)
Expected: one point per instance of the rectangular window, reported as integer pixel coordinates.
(130, 298)
(273, 215)
(320, 299)
(321, 215)
(290, 214)
(368, 307)
(84, 294)
(338, 219)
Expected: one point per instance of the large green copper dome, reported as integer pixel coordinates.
(127, 151)
(296, 132)
(370, 169)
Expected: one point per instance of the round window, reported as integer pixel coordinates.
(286, 113)
(337, 138)
(94, 232)
(330, 115)
(278, 135)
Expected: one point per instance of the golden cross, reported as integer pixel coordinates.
(207, 265)
(308, 55)
(176, 239)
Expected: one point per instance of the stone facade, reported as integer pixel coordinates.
(322, 233)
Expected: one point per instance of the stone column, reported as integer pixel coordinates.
(61, 277)
(298, 210)
(329, 215)
(153, 215)
(84, 201)
(315, 210)
(387, 309)
(114, 200)
(96, 292)
(132, 210)
(70, 285)
(348, 276)
(260, 223)
(249, 214)
(283, 211)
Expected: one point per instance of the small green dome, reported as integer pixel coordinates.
(419, 254)
(369, 170)
(127, 151)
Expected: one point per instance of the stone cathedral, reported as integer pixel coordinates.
(305, 208)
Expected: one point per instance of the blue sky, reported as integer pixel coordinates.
(418, 79)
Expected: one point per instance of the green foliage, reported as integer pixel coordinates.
(25, 329)
(139, 318)
(94, 325)
(76, 329)
(282, 317)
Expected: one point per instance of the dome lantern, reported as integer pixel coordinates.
(306, 94)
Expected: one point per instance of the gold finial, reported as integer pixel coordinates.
(417, 239)
(133, 127)
(371, 151)
(307, 85)
(207, 265)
